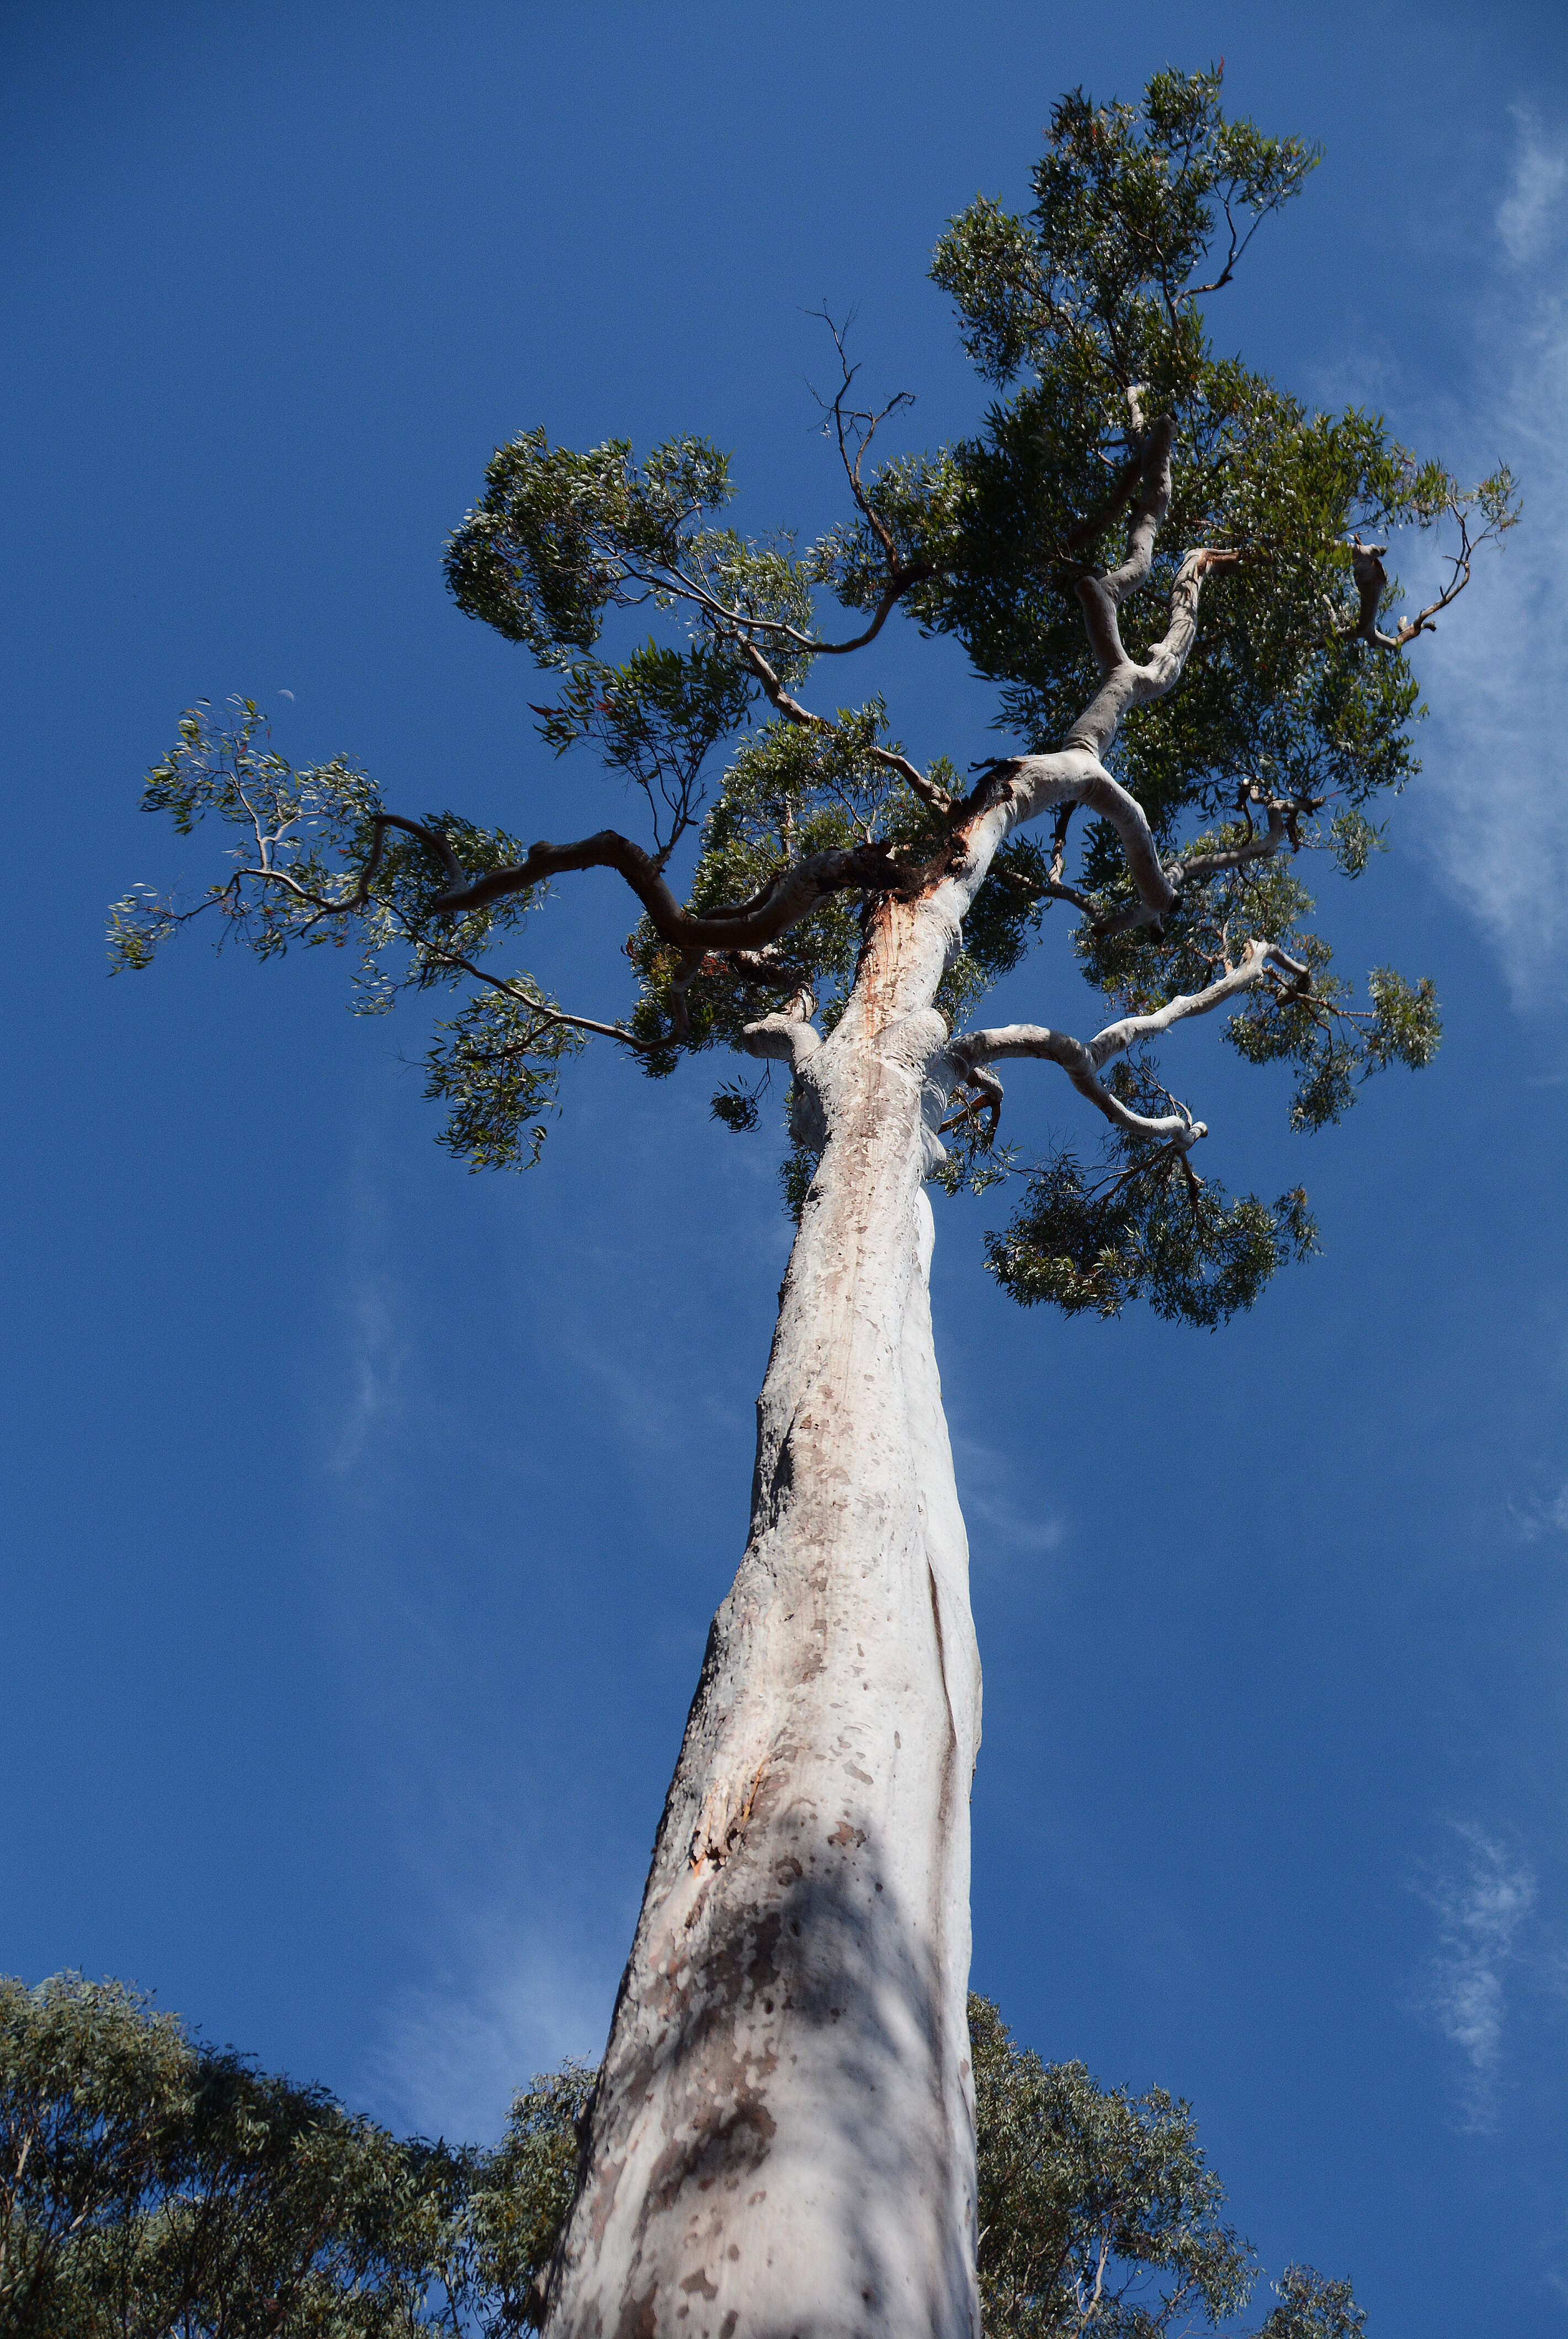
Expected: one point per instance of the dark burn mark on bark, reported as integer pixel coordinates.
(722, 1826)
(639, 2316)
(724, 2127)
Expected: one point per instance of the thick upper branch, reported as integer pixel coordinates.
(1025, 787)
(1148, 512)
(1181, 874)
(977, 1050)
(1254, 963)
(788, 898)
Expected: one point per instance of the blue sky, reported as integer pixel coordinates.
(365, 1518)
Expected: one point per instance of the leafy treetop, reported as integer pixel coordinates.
(1114, 424)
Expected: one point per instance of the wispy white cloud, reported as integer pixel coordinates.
(1482, 1897)
(1031, 1532)
(1496, 776)
(503, 1993)
(375, 1357)
(1532, 216)
(1022, 1528)
(1500, 699)
(452, 2056)
(1537, 1515)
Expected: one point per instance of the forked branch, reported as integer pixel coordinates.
(790, 707)
(1195, 867)
(1126, 682)
(1371, 583)
(1084, 1060)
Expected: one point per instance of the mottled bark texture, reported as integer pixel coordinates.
(783, 2139)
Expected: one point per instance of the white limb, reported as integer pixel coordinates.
(1152, 503)
(1181, 874)
(974, 1050)
(1025, 787)
(1371, 583)
(785, 1039)
(1019, 790)
(1254, 962)
(1084, 1060)
(1128, 682)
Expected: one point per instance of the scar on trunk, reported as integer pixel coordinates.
(722, 1824)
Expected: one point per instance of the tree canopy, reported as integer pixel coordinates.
(1277, 728)
(152, 2186)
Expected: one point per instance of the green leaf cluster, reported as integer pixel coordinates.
(1097, 2207)
(149, 2184)
(311, 867)
(1310, 2307)
(1092, 308)
(1127, 204)
(1335, 1046)
(494, 1066)
(560, 537)
(1144, 1226)
(656, 717)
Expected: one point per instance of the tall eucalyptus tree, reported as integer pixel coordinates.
(782, 2140)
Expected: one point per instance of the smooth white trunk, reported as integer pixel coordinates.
(781, 2143)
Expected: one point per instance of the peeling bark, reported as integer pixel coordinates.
(783, 2139)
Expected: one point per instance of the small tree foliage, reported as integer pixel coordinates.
(1098, 2211)
(150, 2186)
(774, 827)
